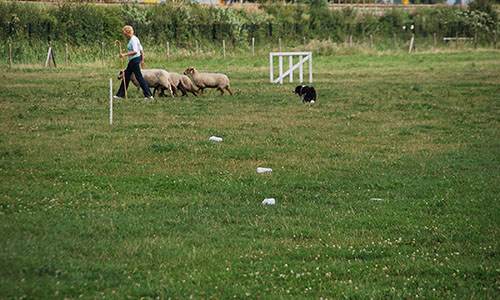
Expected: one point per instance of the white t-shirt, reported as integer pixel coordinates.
(134, 45)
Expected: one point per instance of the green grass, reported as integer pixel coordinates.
(148, 207)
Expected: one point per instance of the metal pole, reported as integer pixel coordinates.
(111, 101)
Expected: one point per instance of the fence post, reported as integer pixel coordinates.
(350, 41)
(304, 43)
(10, 54)
(168, 50)
(394, 43)
(475, 40)
(279, 44)
(411, 43)
(456, 41)
(301, 71)
(102, 53)
(253, 46)
(196, 42)
(435, 42)
(290, 66)
(495, 40)
(271, 67)
(371, 42)
(280, 60)
(66, 56)
(224, 48)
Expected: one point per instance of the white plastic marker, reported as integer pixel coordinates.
(269, 201)
(376, 199)
(263, 170)
(215, 139)
(111, 101)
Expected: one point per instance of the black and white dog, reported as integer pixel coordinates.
(307, 93)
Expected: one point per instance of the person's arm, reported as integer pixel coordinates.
(128, 53)
(143, 64)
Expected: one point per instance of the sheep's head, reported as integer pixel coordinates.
(189, 70)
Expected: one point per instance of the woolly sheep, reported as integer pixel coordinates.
(183, 83)
(209, 80)
(155, 78)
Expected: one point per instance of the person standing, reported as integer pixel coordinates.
(136, 59)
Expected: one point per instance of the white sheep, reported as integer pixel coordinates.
(209, 80)
(155, 78)
(183, 83)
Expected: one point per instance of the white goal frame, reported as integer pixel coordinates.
(303, 57)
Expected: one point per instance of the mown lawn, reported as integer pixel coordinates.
(149, 207)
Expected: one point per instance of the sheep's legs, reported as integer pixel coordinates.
(174, 89)
(229, 90)
(170, 90)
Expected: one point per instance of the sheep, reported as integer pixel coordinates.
(155, 78)
(183, 83)
(209, 80)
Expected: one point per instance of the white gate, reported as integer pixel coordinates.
(303, 57)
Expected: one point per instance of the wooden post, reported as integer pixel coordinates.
(196, 42)
(371, 41)
(350, 40)
(456, 41)
(10, 55)
(435, 42)
(66, 55)
(168, 50)
(279, 45)
(53, 56)
(49, 55)
(495, 40)
(394, 43)
(304, 43)
(411, 43)
(253, 46)
(475, 41)
(224, 48)
(102, 53)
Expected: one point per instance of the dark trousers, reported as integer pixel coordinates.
(134, 66)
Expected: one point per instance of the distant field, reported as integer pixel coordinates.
(149, 207)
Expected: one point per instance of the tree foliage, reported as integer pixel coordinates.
(87, 24)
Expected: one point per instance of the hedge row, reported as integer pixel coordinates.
(87, 24)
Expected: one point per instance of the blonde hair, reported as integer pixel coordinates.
(128, 29)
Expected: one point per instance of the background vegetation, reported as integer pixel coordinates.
(29, 26)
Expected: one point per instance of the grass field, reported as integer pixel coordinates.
(149, 207)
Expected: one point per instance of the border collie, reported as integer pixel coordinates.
(307, 93)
